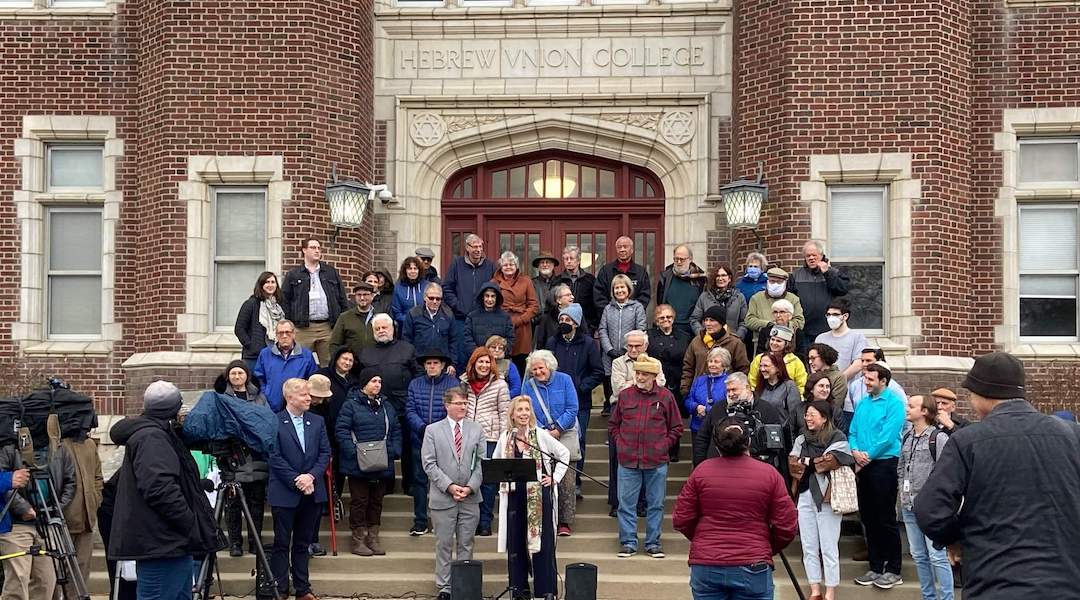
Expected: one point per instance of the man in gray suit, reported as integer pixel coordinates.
(452, 451)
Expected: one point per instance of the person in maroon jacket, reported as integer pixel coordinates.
(736, 513)
(644, 424)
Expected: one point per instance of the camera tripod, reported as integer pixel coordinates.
(53, 530)
(265, 586)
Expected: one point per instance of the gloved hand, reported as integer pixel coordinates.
(613, 354)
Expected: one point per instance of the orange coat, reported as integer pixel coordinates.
(519, 301)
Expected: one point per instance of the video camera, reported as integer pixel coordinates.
(765, 438)
(230, 454)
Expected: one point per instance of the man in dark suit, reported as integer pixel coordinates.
(297, 489)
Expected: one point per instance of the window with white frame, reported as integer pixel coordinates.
(73, 283)
(857, 244)
(239, 249)
(74, 168)
(1049, 242)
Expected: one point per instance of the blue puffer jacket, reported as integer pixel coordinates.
(406, 296)
(559, 395)
(426, 333)
(482, 324)
(368, 424)
(512, 376)
(699, 396)
(425, 403)
(271, 369)
(580, 359)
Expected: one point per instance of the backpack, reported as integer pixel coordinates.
(934, 431)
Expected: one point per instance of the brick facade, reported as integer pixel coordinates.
(291, 78)
(297, 79)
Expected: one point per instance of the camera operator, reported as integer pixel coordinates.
(164, 515)
(736, 512)
(738, 393)
(236, 381)
(33, 576)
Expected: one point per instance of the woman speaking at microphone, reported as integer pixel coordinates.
(526, 511)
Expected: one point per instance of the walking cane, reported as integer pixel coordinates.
(333, 516)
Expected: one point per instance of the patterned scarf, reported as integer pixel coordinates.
(533, 490)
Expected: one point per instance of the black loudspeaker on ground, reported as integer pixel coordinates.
(580, 582)
(466, 580)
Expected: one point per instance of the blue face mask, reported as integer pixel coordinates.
(753, 272)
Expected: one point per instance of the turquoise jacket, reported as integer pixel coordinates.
(876, 426)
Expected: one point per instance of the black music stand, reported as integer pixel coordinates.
(508, 470)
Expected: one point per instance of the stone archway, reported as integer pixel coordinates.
(435, 138)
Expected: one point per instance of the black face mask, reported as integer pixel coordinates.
(565, 328)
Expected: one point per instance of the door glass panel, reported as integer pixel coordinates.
(536, 180)
(639, 187)
(570, 180)
(530, 253)
(517, 182)
(457, 244)
(588, 182)
(467, 188)
(498, 184)
(607, 184)
(552, 181)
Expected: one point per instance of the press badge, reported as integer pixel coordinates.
(907, 485)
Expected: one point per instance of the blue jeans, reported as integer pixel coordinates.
(164, 578)
(631, 482)
(931, 565)
(419, 490)
(709, 582)
(488, 492)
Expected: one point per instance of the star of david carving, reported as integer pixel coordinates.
(677, 127)
(427, 129)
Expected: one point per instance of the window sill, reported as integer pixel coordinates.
(54, 13)
(1049, 350)
(69, 348)
(1039, 3)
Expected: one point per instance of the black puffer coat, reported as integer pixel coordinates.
(159, 493)
(396, 362)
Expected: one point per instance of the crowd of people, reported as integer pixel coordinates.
(440, 373)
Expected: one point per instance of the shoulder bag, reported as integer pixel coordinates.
(569, 437)
(371, 456)
(844, 497)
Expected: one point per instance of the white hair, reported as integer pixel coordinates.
(820, 245)
(636, 333)
(722, 353)
(737, 376)
(689, 252)
(572, 250)
(783, 305)
(759, 258)
(432, 285)
(472, 237)
(544, 356)
(509, 257)
(379, 318)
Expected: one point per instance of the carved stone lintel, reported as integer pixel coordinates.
(677, 127)
(642, 120)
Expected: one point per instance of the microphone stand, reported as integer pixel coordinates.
(554, 460)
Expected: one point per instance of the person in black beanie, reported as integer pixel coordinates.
(165, 515)
(1016, 474)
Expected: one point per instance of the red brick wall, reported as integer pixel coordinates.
(276, 77)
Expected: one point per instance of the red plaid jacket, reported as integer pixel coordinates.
(644, 425)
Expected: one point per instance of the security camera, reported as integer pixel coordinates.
(385, 196)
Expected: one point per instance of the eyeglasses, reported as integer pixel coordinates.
(680, 258)
(723, 276)
(497, 348)
(665, 318)
(290, 332)
(434, 298)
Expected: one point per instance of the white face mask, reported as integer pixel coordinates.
(834, 321)
(776, 289)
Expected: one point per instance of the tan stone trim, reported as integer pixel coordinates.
(1039, 3)
(203, 173)
(386, 10)
(893, 170)
(179, 359)
(1016, 124)
(31, 201)
(41, 10)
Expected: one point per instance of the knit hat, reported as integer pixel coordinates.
(319, 386)
(784, 305)
(782, 332)
(367, 375)
(162, 399)
(647, 364)
(573, 311)
(998, 375)
(716, 313)
(944, 393)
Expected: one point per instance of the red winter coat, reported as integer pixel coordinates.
(735, 511)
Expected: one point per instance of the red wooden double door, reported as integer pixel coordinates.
(544, 202)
